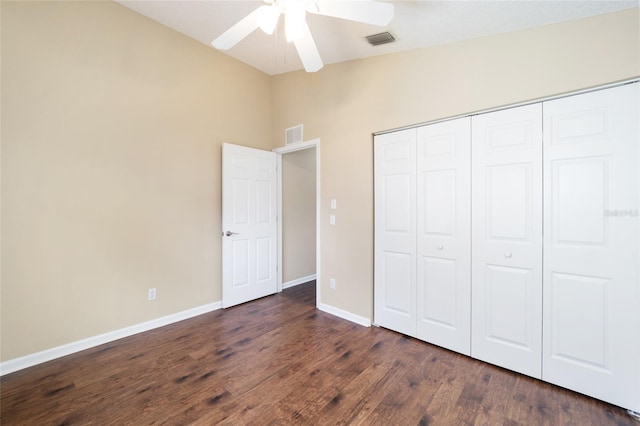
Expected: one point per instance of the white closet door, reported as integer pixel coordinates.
(395, 231)
(444, 234)
(507, 239)
(591, 278)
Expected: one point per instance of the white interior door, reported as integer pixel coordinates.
(591, 278)
(395, 231)
(507, 238)
(249, 226)
(444, 234)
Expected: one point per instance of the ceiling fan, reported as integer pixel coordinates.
(266, 17)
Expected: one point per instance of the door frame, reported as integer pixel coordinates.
(313, 143)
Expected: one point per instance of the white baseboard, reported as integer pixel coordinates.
(90, 342)
(299, 281)
(366, 322)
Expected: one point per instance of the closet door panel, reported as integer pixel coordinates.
(507, 238)
(443, 240)
(395, 231)
(507, 296)
(592, 237)
(438, 302)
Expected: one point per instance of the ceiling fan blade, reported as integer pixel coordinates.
(240, 30)
(367, 11)
(308, 51)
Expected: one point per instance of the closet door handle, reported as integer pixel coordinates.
(507, 254)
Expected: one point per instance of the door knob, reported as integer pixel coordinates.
(229, 233)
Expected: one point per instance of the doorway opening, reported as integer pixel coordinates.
(298, 213)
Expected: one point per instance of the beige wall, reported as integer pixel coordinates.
(298, 214)
(111, 133)
(344, 104)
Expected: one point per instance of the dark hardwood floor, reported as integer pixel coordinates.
(279, 361)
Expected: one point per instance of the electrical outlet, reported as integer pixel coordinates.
(151, 295)
(332, 282)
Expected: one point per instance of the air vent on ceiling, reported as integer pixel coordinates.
(380, 38)
(293, 134)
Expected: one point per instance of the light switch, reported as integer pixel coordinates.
(332, 219)
(333, 204)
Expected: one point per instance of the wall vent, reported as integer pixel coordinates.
(380, 38)
(293, 134)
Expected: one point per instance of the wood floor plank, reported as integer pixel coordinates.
(279, 361)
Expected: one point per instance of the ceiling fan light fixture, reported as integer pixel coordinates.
(268, 18)
(294, 21)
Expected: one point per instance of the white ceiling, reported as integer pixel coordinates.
(416, 24)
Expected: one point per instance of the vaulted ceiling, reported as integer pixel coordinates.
(416, 24)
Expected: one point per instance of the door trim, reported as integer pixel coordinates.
(313, 143)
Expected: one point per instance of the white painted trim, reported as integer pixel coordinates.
(313, 143)
(279, 219)
(298, 281)
(16, 364)
(318, 213)
(297, 147)
(365, 322)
